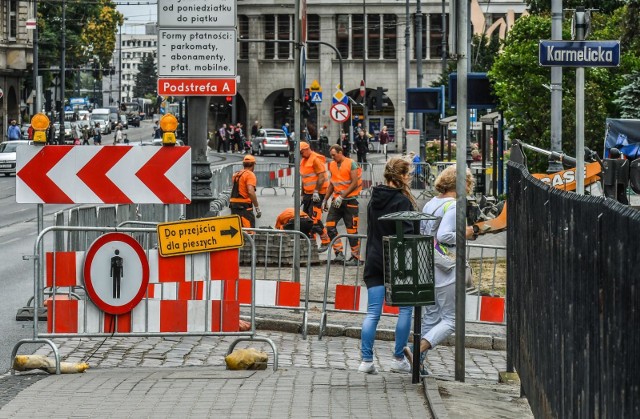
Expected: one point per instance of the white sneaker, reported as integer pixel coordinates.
(400, 366)
(367, 368)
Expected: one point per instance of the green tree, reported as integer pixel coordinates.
(628, 97)
(90, 30)
(603, 6)
(146, 78)
(519, 83)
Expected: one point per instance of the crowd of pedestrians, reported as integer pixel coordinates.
(231, 138)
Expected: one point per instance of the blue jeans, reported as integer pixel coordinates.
(370, 324)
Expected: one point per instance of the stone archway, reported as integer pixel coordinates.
(280, 108)
(221, 112)
(376, 119)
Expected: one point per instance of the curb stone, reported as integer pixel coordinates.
(483, 342)
(436, 405)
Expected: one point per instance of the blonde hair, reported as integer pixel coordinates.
(446, 181)
(394, 173)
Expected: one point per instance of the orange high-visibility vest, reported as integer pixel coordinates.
(309, 175)
(286, 216)
(239, 193)
(341, 177)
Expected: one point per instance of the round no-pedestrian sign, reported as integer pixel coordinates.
(116, 273)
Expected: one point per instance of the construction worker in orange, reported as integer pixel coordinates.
(345, 185)
(286, 220)
(315, 182)
(243, 193)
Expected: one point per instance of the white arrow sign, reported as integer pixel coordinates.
(105, 174)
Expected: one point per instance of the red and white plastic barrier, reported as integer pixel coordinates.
(153, 316)
(68, 267)
(485, 309)
(270, 293)
(355, 298)
(176, 300)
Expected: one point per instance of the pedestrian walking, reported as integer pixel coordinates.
(231, 137)
(157, 131)
(362, 146)
(343, 190)
(315, 182)
(343, 141)
(438, 321)
(222, 138)
(243, 193)
(393, 196)
(85, 135)
(384, 139)
(13, 132)
(97, 136)
(117, 137)
(255, 129)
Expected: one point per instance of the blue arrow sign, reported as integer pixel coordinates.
(579, 53)
(316, 97)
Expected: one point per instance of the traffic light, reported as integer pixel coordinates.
(380, 98)
(47, 101)
(96, 70)
(307, 96)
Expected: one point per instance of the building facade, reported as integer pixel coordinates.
(376, 41)
(16, 55)
(133, 48)
(372, 43)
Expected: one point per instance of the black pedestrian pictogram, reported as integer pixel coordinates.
(117, 272)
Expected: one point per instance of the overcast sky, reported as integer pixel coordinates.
(137, 15)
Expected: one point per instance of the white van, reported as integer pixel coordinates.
(101, 116)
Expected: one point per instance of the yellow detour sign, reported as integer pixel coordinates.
(199, 236)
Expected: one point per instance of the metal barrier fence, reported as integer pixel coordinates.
(486, 300)
(484, 305)
(348, 298)
(198, 299)
(277, 286)
(573, 309)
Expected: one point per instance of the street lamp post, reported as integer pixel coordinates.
(62, 70)
(120, 65)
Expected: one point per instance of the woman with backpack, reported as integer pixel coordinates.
(393, 196)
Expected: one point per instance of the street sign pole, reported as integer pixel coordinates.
(580, 31)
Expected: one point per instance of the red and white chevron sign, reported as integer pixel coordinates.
(103, 175)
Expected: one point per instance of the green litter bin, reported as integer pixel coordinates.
(408, 263)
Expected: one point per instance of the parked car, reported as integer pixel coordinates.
(68, 138)
(270, 140)
(158, 142)
(24, 131)
(8, 155)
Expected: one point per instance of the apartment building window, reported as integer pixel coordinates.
(374, 31)
(243, 33)
(390, 37)
(12, 20)
(313, 34)
(357, 36)
(343, 26)
(431, 36)
(435, 35)
(376, 34)
(278, 27)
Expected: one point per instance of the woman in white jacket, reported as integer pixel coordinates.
(438, 321)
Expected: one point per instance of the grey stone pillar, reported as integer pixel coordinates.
(201, 196)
